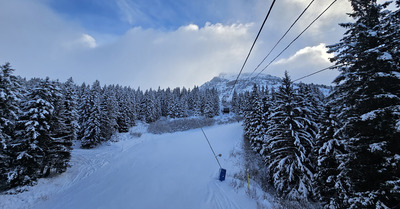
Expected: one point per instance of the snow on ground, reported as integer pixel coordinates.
(174, 170)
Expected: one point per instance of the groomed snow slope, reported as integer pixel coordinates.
(174, 170)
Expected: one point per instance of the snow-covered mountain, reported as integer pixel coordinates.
(224, 83)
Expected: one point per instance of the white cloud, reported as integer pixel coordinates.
(188, 56)
(304, 62)
(190, 27)
(315, 54)
(88, 41)
(40, 43)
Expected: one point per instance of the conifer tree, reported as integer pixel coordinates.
(131, 105)
(216, 101)
(208, 104)
(59, 150)
(9, 110)
(123, 111)
(165, 102)
(290, 144)
(235, 103)
(253, 124)
(108, 114)
(196, 106)
(331, 180)
(32, 158)
(368, 95)
(69, 111)
(91, 126)
(149, 107)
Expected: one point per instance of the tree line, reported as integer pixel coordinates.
(40, 118)
(342, 150)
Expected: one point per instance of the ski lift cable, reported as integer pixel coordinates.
(211, 148)
(283, 36)
(311, 74)
(251, 49)
(295, 38)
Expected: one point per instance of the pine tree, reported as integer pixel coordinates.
(266, 105)
(253, 124)
(90, 128)
(207, 104)
(197, 102)
(123, 111)
(108, 113)
(216, 101)
(149, 107)
(59, 150)
(368, 95)
(165, 100)
(331, 181)
(131, 105)
(290, 144)
(235, 103)
(69, 111)
(9, 110)
(32, 158)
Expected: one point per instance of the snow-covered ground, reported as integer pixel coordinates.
(175, 170)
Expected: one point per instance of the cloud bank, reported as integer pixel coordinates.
(39, 43)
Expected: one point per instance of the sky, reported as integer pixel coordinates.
(165, 43)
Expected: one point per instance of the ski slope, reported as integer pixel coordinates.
(174, 171)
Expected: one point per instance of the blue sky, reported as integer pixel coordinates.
(94, 15)
(117, 16)
(167, 43)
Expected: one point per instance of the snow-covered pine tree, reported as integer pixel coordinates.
(208, 108)
(245, 104)
(122, 117)
(215, 100)
(59, 151)
(157, 103)
(83, 109)
(132, 106)
(108, 113)
(31, 156)
(196, 106)
(266, 104)
(178, 107)
(368, 95)
(253, 124)
(235, 103)
(69, 111)
(290, 144)
(149, 107)
(9, 111)
(90, 128)
(331, 181)
(63, 123)
(312, 101)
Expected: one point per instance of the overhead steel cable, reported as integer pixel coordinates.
(296, 38)
(306, 76)
(282, 37)
(252, 46)
(204, 133)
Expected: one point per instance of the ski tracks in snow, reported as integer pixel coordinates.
(218, 197)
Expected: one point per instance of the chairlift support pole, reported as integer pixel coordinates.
(211, 148)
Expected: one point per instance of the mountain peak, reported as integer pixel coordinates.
(225, 81)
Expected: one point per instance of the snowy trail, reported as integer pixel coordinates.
(174, 170)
